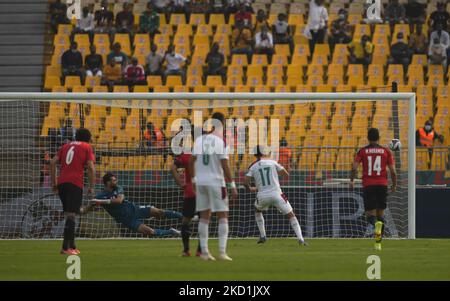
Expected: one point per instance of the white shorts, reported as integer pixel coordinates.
(211, 197)
(277, 200)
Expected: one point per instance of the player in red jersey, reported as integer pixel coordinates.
(73, 157)
(375, 160)
(183, 161)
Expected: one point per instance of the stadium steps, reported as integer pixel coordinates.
(22, 44)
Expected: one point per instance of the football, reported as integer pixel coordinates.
(395, 145)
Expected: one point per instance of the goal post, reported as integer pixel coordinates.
(34, 200)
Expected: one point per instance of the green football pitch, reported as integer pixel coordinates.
(278, 259)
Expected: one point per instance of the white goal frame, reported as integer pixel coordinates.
(299, 97)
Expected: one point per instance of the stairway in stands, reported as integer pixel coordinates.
(22, 44)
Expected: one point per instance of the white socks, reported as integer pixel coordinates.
(223, 235)
(203, 235)
(296, 226)
(260, 222)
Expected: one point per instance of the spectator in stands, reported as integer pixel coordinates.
(400, 52)
(218, 7)
(261, 20)
(72, 61)
(154, 61)
(154, 137)
(199, 7)
(437, 54)
(264, 43)
(86, 24)
(180, 7)
(214, 61)
(244, 16)
(241, 40)
(149, 21)
(68, 132)
(316, 28)
(418, 41)
(281, 32)
(118, 56)
(426, 135)
(285, 156)
(93, 63)
(125, 20)
(104, 19)
(112, 74)
(341, 31)
(440, 16)
(161, 6)
(361, 52)
(58, 15)
(395, 13)
(231, 8)
(174, 62)
(134, 73)
(415, 13)
(442, 35)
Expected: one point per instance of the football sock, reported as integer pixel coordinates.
(185, 234)
(69, 234)
(381, 219)
(296, 227)
(223, 235)
(203, 235)
(260, 222)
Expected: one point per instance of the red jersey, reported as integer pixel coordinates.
(374, 159)
(73, 157)
(182, 161)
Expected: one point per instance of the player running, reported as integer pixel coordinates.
(113, 200)
(73, 157)
(210, 169)
(265, 172)
(374, 159)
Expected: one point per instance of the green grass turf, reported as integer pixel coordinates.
(278, 259)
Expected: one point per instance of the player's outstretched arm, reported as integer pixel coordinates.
(283, 172)
(247, 180)
(53, 163)
(393, 172)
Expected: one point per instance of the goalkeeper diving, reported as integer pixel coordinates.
(127, 214)
(265, 172)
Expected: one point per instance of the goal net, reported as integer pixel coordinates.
(314, 135)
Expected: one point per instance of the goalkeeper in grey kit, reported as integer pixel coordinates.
(113, 200)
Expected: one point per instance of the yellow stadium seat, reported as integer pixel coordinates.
(319, 59)
(254, 80)
(234, 70)
(261, 88)
(294, 81)
(58, 89)
(71, 81)
(343, 88)
(360, 30)
(191, 81)
(375, 70)
(181, 88)
(439, 160)
(419, 59)
(53, 70)
(279, 59)
(396, 78)
(197, 19)
(415, 80)
(324, 88)
(201, 88)
(61, 40)
(423, 90)
(335, 80)
(395, 69)
(184, 29)
(301, 50)
(233, 81)
(274, 81)
(259, 59)
(154, 80)
(296, 19)
(322, 49)
(204, 30)
(81, 38)
(315, 80)
(240, 88)
(79, 89)
(422, 159)
(382, 29)
(51, 81)
(221, 89)
(197, 61)
(254, 70)
(355, 19)
(294, 70)
(425, 102)
(196, 70)
(65, 29)
(216, 19)
(314, 70)
(335, 69)
(213, 80)
(200, 39)
(176, 19)
(299, 60)
(301, 88)
(379, 59)
(282, 49)
(282, 88)
(274, 70)
(380, 40)
(239, 59)
(92, 81)
(375, 80)
(404, 28)
(223, 29)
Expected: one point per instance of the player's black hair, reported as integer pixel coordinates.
(259, 151)
(107, 177)
(373, 135)
(219, 116)
(83, 134)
